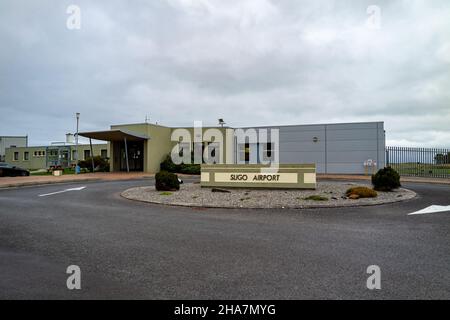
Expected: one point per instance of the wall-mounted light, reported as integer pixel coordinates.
(315, 139)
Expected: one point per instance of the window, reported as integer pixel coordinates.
(74, 155)
(247, 152)
(16, 156)
(26, 156)
(244, 153)
(87, 154)
(268, 149)
(184, 148)
(212, 146)
(104, 153)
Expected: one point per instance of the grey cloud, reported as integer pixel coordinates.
(252, 62)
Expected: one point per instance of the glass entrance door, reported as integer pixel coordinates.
(135, 156)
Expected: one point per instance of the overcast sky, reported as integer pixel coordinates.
(251, 62)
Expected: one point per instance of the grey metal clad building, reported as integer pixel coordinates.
(335, 148)
(11, 142)
(346, 148)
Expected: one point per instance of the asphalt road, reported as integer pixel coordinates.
(134, 250)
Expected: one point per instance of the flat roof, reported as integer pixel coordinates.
(114, 135)
(258, 126)
(59, 145)
(13, 136)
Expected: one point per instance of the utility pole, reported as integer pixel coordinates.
(77, 167)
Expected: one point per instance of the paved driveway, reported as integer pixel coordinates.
(134, 250)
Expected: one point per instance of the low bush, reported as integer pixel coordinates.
(166, 181)
(386, 179)
(169, 166)
(190, 169)
(100, 164)
(361, 192)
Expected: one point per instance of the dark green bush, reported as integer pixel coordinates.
(190, 168)
(166, 181)
(169, 166)
(100, 164)
(386, 179)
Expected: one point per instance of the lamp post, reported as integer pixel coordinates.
(77, 167)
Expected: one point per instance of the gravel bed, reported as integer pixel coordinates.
(192, 195)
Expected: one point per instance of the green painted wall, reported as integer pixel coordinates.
(155, 148)
(39, 162)
(205, 129)
(158, 146)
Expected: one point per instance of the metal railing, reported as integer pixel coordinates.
(419, 162)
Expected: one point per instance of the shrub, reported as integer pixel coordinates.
(316, 197)
(361, 192)
(100, 164)
(166, 181)
(386, 179)
(190, 168)
(169, 166)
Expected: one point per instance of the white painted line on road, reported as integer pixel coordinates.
(431, 209)
(62, 191)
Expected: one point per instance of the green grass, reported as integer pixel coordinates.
(166, 193)
(421, 169)
(315, 197)
(45, 173)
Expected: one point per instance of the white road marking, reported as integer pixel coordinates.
(431, 209)
(62, 191)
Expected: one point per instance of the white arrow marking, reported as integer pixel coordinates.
(62, 191)
(432, 209)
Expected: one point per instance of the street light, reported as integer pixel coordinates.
(77, 167)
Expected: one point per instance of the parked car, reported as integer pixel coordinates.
(7, 170)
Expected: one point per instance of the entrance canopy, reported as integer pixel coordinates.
(114, 135)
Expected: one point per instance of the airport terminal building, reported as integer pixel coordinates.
(345, 148)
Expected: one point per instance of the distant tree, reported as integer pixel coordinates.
(439, 158)
(442, 158)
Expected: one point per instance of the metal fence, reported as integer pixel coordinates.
(419, 162)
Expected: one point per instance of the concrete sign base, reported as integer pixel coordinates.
(288, 176)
